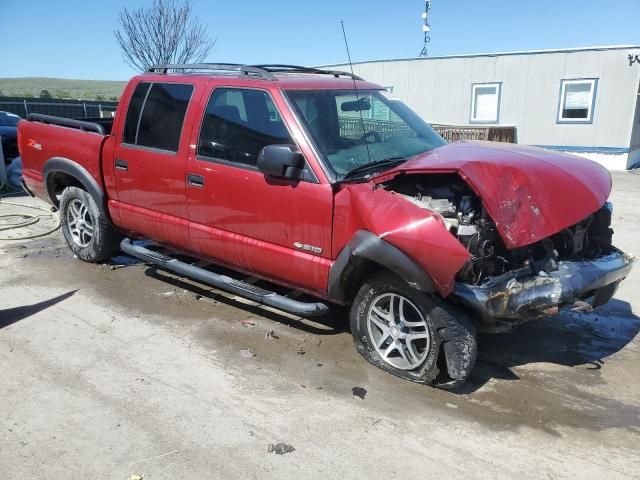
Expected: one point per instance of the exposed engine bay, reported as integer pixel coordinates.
(468, 221)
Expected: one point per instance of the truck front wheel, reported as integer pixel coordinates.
(85, 226)
(411, 334)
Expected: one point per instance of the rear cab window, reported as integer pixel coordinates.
(156, 114)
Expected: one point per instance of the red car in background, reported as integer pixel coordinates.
(317, 181)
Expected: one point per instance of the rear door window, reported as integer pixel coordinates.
(133, 114)
(156, 115)
(238, 123)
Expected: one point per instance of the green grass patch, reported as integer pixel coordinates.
(61, 88)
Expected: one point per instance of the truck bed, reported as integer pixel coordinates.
(89, 124)
(44, 137)
(105, 123)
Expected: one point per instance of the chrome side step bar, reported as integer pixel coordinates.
(223, 282)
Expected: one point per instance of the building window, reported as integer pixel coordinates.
(485, 102)
(577, 99)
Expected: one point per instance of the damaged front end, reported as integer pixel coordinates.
(519, 295)
(506, 286)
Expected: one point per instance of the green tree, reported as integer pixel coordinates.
(45, 94)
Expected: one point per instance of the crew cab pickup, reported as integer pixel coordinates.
(317, 181)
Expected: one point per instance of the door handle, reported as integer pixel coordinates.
(122, 164)
(195, 180)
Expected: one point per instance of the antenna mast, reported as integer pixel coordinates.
(355, 86)
(426, 28)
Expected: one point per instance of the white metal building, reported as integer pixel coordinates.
(581, 100)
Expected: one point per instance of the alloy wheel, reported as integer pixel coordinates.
(399, 331)
(79, 223)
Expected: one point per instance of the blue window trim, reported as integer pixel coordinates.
(588, 121)
(471, 112)
(578, 149)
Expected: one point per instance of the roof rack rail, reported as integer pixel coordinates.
(228, 67)
(265, 71)
(278, 67)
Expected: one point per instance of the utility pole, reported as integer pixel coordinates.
(426, 28)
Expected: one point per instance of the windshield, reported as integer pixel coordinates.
(8, 119)
(354, 130)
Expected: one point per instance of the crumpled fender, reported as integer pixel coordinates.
(419, 234)
(365, 245)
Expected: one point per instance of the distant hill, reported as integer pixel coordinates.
(62, 88)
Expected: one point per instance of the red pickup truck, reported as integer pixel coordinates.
(317, 181)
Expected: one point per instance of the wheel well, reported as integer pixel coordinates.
(365, 254)
(355, 274)
(57, 182)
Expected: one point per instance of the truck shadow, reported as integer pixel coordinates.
(569, 339)
(331, 324)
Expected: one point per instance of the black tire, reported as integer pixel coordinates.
(104, 241)
(449, 352)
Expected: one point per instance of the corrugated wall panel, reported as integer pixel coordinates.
(439, 89)
(422, 91)
(511, 71)
(536, 123)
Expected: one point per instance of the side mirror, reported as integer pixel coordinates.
(281, 161)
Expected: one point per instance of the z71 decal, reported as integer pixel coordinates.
(33, 144)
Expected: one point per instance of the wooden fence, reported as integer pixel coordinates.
(354, 128)
(492, 134)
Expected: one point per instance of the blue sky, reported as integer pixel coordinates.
(74, 38)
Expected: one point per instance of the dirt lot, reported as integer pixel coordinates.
(112, 370)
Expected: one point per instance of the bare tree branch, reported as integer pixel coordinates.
(164, 33)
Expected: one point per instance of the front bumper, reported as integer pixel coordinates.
(519, 297)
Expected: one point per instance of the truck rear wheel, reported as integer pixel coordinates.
(85, 226)
(411, 334)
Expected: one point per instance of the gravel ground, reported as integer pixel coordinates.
(112, 370)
